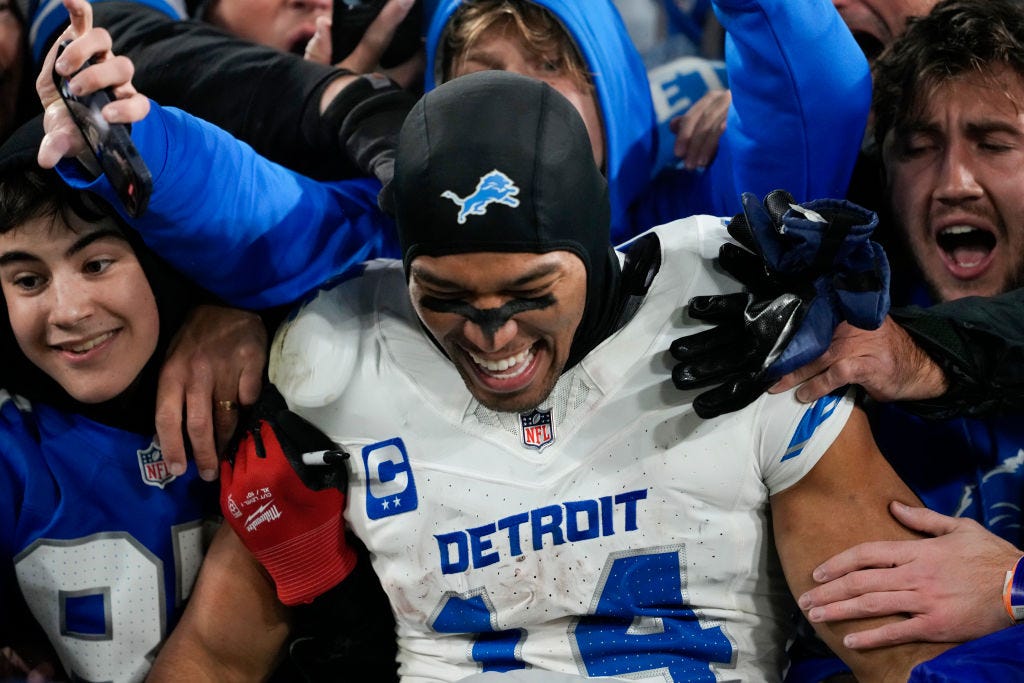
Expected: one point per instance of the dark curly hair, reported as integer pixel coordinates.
(28, 192)
(958, 37)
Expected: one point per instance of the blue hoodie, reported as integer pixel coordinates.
(801, 94)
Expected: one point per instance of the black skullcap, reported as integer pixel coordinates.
(498, 162)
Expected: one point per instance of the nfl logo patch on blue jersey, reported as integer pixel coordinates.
(154, 468)
(537, 428)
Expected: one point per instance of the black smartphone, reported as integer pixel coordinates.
(350, 19)
(110, 143)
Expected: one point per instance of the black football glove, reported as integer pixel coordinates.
(806, 268)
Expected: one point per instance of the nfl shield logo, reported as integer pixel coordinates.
(537, 428)
(154, 469)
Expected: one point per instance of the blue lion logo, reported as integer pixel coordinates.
(994, 499)
(495, 187)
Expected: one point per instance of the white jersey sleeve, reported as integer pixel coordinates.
(789, 442)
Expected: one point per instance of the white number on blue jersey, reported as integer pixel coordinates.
(101, 598)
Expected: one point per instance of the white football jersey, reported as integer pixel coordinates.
(611, 532)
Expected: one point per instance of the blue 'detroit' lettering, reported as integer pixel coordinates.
(571, 522)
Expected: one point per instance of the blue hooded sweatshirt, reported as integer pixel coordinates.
(801, 93)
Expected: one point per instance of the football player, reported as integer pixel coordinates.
(533, 494)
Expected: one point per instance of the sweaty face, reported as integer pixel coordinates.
(955, 180)
(11, 66)
(875, 23)
(79, 303)
(283, 24)
(501, 49)
(507, 321)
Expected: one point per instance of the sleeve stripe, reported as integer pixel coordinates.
(813, 418)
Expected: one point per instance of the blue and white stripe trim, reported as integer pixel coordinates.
(814, 416)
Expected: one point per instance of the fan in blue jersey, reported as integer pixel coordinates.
(98, 535)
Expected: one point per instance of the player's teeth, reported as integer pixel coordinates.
(958, 230)
(503, 364)
(92, 343)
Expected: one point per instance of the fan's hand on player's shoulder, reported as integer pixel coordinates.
(805, 268)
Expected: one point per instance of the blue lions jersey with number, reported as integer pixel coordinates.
(608, 533)
(102, 541)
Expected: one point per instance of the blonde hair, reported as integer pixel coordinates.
(541, 32)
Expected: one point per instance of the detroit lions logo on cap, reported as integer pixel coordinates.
(494, 187)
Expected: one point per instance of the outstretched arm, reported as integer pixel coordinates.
(841, 502)
(223, 215)
(193, 65)
(782, 57)
(963, 357)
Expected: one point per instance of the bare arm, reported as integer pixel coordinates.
(234, 627)
(841, 502)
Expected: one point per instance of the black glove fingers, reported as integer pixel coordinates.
(777, 203)
(739, 229)
(692, 346)
(746, 268)
(703, 372)
(718, 308)
(727, 363)
(729, 397)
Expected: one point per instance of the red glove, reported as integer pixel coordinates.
(292, 524)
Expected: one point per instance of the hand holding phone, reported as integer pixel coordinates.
(110, 143)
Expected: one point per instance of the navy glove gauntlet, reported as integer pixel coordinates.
(806, 268)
